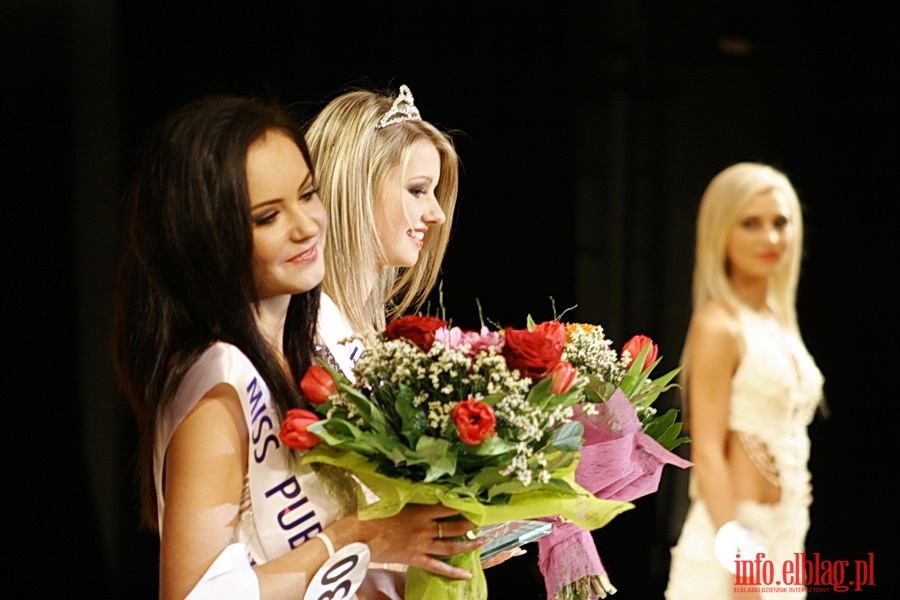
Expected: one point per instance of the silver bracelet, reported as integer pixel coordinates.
(342, 573)
(327, 541)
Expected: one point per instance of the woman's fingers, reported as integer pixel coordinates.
(453, 527)
(421, 534)
(450, 547)
(441, 568)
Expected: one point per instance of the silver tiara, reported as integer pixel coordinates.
(403, 109)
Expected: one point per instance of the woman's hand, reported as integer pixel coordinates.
(417, 536)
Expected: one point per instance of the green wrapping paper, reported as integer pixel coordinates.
(561, 497)
(423, 584)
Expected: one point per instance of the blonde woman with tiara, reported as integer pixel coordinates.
(751, 389)
(389, 181)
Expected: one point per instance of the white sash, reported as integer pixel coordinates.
(288, 504)
(332, 329)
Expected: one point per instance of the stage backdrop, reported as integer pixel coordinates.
(587, 132)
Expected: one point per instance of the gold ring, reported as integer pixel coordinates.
(440, 533)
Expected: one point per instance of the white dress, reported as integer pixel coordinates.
(774, 394)
(282, 506)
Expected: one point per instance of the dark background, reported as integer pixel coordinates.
(588, 132)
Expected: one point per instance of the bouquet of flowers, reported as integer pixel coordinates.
(626, 445)
(483, 422)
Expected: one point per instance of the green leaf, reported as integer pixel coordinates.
(493, 399)
(599, 391)
(493, 445)
(372, 415)
(339, 433)
(514, 486)
(435, 454)
(508, 487)
(488, 477)
(568, 436)
(559, 460)
(539, 394)
(414, 421)
(649, 390)
(666, 430)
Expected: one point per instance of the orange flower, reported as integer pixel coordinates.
(573, 328)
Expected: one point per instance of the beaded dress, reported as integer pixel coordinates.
(774, 394)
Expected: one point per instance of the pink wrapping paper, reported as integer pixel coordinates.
(618, 462)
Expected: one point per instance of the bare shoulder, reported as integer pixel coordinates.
(714, 332)
(206, 459)
(716, 320)
(213, 428)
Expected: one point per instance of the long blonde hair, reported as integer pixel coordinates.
(720, 206)
(352, 159)
(725, 196)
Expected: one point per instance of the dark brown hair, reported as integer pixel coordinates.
(185, 277)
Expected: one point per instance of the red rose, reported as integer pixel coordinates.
(294, 432)
(317, 384)
(634, 347)
(416, 329)
(563, 375)
(474, 421)
(537, 351)
(554, 330)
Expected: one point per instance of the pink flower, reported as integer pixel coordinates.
(478, 341)
(449, 338)
(482, 340)
(634, 347)
(563, 376)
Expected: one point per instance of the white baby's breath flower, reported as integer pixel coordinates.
(435, 381)
(588, 349)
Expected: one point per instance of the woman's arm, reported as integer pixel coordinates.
(205, 466)
(204, 476)
(713, 353)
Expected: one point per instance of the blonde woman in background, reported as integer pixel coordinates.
(751, 389)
